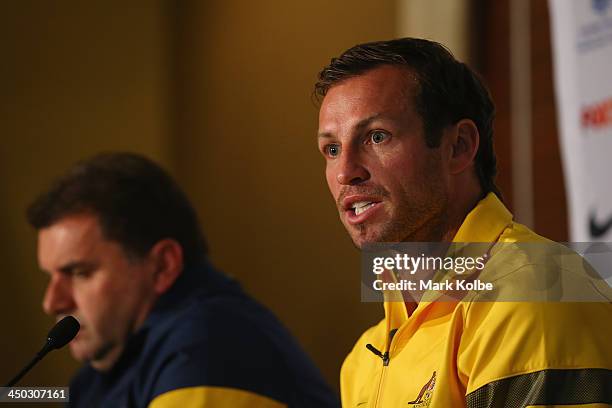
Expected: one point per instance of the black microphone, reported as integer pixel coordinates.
(59, 335)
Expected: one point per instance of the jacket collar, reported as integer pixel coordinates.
(485, 223)
(202, 278)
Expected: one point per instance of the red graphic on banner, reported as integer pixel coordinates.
(598, 115)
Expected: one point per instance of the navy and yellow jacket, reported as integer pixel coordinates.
(206, 344)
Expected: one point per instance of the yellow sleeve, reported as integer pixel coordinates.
(522, 351)
(595, 405)
(214, 397)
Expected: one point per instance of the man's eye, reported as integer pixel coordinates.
(332, 150)
(377, 137)
(82, 273)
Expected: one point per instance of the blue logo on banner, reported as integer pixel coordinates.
(600, 6)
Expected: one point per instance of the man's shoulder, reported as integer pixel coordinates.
(531, 336)
(226, 318)
(539, 282)
(225, 349)
(526, 267)
(233, 342)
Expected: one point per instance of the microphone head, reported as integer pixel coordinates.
(63, 331)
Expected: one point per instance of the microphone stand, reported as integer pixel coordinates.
(43, 352)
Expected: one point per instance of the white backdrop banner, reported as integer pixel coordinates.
(582, 50)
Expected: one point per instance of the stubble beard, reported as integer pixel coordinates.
(423, 220)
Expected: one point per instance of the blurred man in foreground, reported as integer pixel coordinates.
(407, 135)
(160, 326)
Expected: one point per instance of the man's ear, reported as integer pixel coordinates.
(465, 140)
(167, 258)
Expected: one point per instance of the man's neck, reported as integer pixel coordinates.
(458, 212)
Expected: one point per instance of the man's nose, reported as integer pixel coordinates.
(352, 170)
(58, 296)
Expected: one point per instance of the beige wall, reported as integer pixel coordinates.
(220, 93)
(247, 151)
(444, 21)
(77, 78)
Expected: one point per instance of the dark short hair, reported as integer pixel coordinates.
(448, 91)
(136, 202)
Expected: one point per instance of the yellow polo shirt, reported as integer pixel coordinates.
(486, 354)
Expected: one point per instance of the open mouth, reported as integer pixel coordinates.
(362, 206)
(358, 211)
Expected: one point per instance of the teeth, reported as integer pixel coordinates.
(362, 206)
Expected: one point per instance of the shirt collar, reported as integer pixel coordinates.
(485, 223)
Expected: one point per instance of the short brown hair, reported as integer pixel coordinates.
(448, 91)
(137, 204)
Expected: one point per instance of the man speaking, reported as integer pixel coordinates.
(160, 327)
(407, 135)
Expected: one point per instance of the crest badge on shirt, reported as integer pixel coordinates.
(424, 397)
